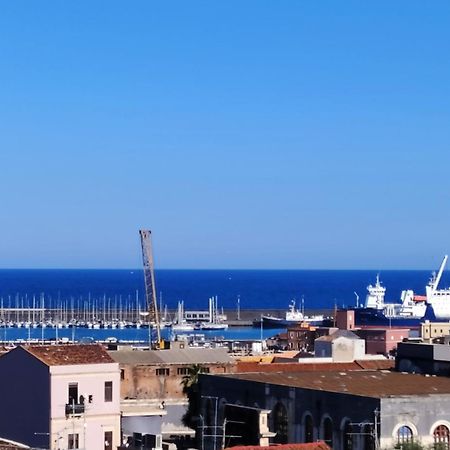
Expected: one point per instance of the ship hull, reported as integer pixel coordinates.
(276, 322)
(371, 317)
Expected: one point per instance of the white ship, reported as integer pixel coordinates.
(434, 306)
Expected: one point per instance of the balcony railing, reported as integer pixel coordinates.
(74, 409)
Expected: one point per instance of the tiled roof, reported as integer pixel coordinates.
(367, 383)
(172, 356)
(338, 334)
(376, 364)
(243, 367)
(319, 445)
(7, 444)
(64, 355)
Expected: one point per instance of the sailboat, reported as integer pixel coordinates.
(215, 321)
(181, 324)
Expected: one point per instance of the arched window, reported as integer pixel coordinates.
(347, 436)
(280, 422)
(210, 412)
(404, 435)
(309, 428)
(328, 431)
(441, 436)
(369, 442)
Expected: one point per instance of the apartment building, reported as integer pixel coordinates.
(60, 397)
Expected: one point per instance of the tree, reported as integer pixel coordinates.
(190, 390)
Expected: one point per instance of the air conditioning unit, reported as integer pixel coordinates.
(152, 441)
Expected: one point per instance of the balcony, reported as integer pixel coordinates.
(74, 409)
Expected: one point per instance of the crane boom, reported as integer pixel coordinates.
(441, 270)
(149, 280)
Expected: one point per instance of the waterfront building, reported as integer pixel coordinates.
(302, 337)
(430, 331)
(348, 410)
(382, 341)
(57, 397)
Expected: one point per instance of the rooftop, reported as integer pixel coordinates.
(338, 334)
(64, 355)
(319, 445)
(365, 383)
(315, 366)
(172, 356)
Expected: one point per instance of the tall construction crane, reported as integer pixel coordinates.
(149, 280)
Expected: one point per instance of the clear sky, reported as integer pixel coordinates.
(245, 134)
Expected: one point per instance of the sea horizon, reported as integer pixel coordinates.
(255, 288)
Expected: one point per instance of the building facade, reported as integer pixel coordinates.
(347, 410)
(151, 388)
(60, 397)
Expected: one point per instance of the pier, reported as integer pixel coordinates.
(116, 317)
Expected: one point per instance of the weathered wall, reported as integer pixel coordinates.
(298, 403)
(142, 382)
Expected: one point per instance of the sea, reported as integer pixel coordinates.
(252, 289)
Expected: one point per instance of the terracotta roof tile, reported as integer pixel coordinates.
(62, 355)
(243, 367)
(376, 364)
(366, 383)
(319, 445)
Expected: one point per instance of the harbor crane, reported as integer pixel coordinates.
(149, 281)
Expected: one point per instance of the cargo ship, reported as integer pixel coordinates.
(412, 309)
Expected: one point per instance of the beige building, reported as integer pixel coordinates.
(432, 330)
(60, 397)
(153, 402)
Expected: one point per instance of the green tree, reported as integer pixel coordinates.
(190, 390)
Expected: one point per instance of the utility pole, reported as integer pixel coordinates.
(375, 429)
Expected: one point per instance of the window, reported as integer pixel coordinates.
(280, 421)
(369, 441)
(328, 431)
(204, 370)
(72, 441)
(347, 436)
(122, 374)
(309, 429)
(163, 371)
(108, 440)
(108, 391)
(73, 393)
(404, 435)
(441, 436)
(183, 371)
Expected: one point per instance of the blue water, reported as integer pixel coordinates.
(257, 289)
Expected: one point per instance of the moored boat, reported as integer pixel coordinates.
(412, 309)
(292, 317)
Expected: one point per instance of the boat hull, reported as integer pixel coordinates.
(371, 317)
(276, 322)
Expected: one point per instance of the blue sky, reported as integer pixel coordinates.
(254, 134)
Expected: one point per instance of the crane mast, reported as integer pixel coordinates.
(149, 280)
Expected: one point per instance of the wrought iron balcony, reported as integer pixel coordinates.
(74, 409)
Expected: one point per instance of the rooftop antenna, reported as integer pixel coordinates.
(149, 280)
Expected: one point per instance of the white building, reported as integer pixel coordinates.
(60, 397)
(341, 346)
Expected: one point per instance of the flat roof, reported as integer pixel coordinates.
(172, 356)
(366, 383)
